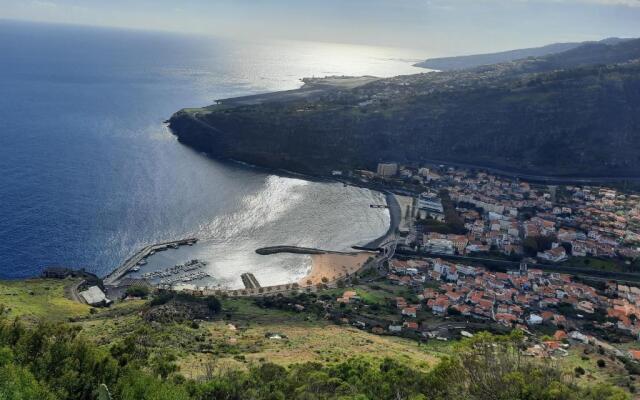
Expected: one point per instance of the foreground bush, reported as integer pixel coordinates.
(50, 362)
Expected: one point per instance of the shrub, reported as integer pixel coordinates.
(137, 291)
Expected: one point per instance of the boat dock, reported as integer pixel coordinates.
(250, 281)
(139, 258)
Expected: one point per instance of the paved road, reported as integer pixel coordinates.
(587, 272)
(395, 215)
(548, 179)
(74, 292)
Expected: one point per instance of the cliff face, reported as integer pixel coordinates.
(533, 117)
(230, 139)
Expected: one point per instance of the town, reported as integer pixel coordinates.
(488, 214)
(467, 252)
(458, 230)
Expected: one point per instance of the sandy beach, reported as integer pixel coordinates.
(332, 266)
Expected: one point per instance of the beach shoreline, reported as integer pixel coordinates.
(330, 267)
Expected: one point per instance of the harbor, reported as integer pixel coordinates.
(190, 271)
(133, 263)
(192, 268)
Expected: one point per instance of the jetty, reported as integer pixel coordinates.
(250, 281)
(265, 251)
(139, 258)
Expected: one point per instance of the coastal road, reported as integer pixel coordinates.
(74, 292)
(498, 263)
(388, 250)
(545, 179)
(395, 214)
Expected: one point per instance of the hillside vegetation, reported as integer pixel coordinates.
(54, 362)
(231, 356)
(572, 113)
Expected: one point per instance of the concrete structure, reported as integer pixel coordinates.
(555, 255)
(439, 246)
(94, 296)
(430, 203)
(250, 281)
(387, 169)
(121, 271)
(56, 272)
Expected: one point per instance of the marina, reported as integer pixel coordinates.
(133, 263)
(187, 272)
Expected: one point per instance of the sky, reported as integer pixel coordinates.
(437, 27)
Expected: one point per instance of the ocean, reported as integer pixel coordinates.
(89, 173)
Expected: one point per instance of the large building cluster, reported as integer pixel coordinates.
(552, 223)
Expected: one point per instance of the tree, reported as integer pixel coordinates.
(135, 385)
(213, 304)
(530, 246)
(137, 291)
(17, 383)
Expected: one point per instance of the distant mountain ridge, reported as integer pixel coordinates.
(477, 60)
(575, 113)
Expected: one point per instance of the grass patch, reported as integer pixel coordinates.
(305, 341)
(42, 299)
(612, 373)
(594, 263)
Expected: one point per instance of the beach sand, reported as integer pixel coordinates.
(334, 266)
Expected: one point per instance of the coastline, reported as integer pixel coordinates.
(329, 267)
(326, 266)
(395, 214)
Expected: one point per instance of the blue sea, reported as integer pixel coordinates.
(89, 173)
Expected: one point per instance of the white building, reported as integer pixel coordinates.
(555, 255)
(534, 319)
(94, 296)
(440, 246)
(430, 205)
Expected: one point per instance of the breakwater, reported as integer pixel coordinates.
(265, 251)
(250, 281)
